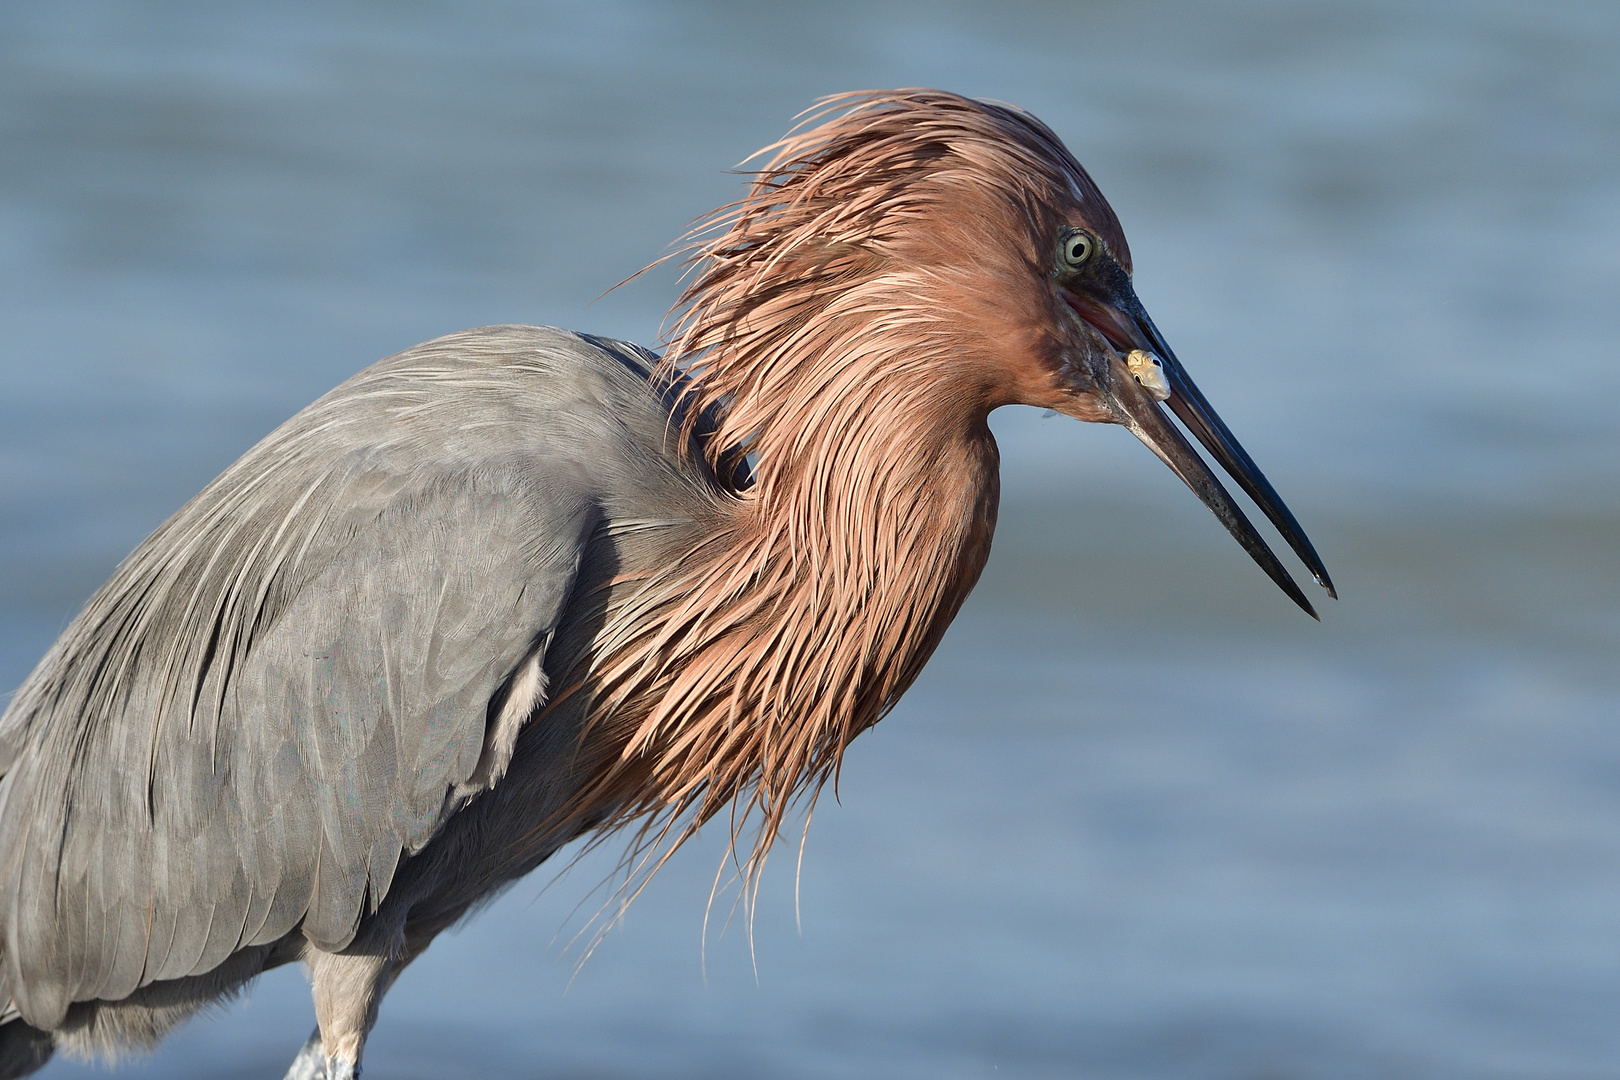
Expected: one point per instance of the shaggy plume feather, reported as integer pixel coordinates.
(845, 327)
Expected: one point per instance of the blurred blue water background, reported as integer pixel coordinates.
(1140, 819)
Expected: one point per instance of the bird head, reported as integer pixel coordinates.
(920, 250)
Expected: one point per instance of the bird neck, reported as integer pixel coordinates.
(879, 509)
(744, 669)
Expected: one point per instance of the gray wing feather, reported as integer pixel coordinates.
(289, 685)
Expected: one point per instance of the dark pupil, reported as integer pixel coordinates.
(1077, 250)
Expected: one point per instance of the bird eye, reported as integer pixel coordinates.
(1076, 249)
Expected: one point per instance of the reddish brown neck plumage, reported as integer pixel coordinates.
(746, 668)
(826, 334)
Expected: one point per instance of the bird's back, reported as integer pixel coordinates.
(300, 677)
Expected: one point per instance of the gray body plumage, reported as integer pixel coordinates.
(296, 714)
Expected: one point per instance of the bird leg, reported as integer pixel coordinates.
(310, 1064)
(348, 988)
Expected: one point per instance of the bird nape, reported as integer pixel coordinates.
(517, 585)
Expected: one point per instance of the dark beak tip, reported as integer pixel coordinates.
(1289, 587)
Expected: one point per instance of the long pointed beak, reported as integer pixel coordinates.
(1127, 326)
(1194, 410)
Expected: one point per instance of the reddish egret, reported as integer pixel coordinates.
(518, 585)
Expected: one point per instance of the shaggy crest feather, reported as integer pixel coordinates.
(823, 335)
